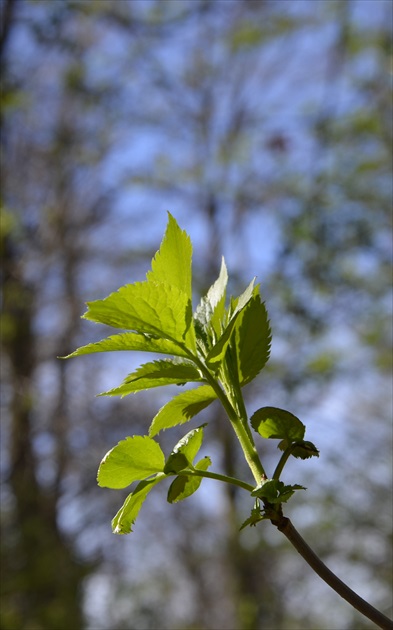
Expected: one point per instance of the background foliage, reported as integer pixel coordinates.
(265, 128)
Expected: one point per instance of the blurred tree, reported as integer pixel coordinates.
(265, 128)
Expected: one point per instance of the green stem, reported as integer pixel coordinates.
(283, 460)
(211, 475)
(239, 425)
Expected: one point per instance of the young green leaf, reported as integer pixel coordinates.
(210, 311)
(185, 451)
(274, 423)
(125, 518)
(172, 263)
(131, 341)
(217, 353)
(256, 516)
(237, 304)
(157, 309)
(132, 459)
(275, 491)
(304, 450)
(156, 374)
(182, 408)
(252, 339)
(185, 485)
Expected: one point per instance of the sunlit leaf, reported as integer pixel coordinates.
(157, 309)
(182, 408)
(210, 311)
(271, 422)
(131, 341)
(184, 486)
(157, 374)
(126, 516)
(252, 339)
(218, 351)
(172, 263)
(185, 451)
(238, 303)
(132, 459)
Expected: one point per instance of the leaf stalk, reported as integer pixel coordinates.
(283, 460)
(186, 472)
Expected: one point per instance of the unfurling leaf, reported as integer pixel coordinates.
(217, 352)
(210, 311)
(304, 450)
(256, 516)
(275, 491)
(132, 459)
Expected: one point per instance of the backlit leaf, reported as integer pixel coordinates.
(132, 459)
(237, 304)
(271, 422)
(218, 351)
(185, 451)
(252, 339)
(182, 408)
(210, 311)
(304, 450)
(131, 341)
(184, 486)
(157, 309)
(125, 518)
(156, 374)
(172, 263)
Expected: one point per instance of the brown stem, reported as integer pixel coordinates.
(285, 526)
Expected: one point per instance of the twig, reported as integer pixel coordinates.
(285, 526)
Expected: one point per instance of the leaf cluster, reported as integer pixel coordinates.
(219, 347)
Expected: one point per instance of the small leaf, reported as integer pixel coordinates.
(275, 491)
(185, 451)
(305, 450)
(218, 351)
(210, 311)
(237, 304)
(182, 408)
(175, 463)
(172, 262)
(131, 341)
(157, 309)
(126, 516)
(184, 486)
(132, 459)
(156, 374)
(274, 423)
(254, 518)
(252, 339)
